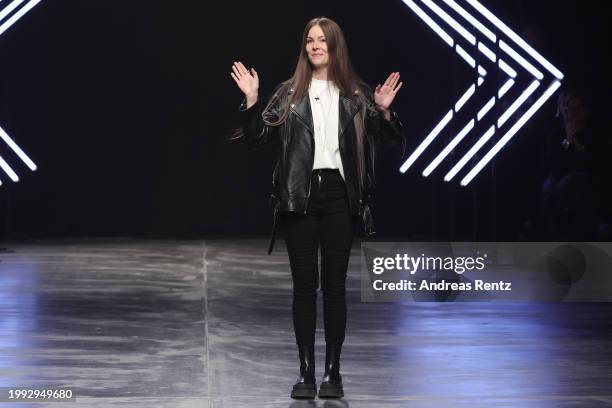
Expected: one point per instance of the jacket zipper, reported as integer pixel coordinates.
(312, 164)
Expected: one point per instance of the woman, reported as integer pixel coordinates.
(326, 122)
(572, 169)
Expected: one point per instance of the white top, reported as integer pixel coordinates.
(324, 99)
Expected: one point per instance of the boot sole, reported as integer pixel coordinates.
(331, 391)
(304, 391)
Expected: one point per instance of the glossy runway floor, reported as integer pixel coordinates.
(140, 323)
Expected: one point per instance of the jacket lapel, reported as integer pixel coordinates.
(303, 111)
(348, 108)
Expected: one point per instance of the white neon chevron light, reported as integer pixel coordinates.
(510, 134)
(457, 139)
(466, 96)
(487, 52)
(434, 26)
(465, 55)
(468, 156)
(466, 24)
(5, 24)
(477, 24)
(507, 69)
(485, 109)
(505, 88)
(516, 38)
(449, 148)
(524, 63)
(9, 9)
(434, 133)
(517, 103)
(451, 21)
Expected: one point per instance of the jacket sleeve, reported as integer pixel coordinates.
(256, 131)
(385, 132)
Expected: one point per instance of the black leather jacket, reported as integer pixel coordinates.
(295, 138)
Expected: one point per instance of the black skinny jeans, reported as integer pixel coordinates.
(327, 222)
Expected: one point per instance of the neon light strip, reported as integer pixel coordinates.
(9, 9)
(7, 169)
(505, 88)
(466, 96)
(516, 104)
(514, 37)
(434, 133)
(8, 23)
(482, 71)
(17, 150)
(474, 22)
(515, 56)
(451, 21)
(510, 134)
(5, 26)
(506, 68)
(464, 54)
(485, 109)
(449, 148)
(432, 24)
(480, 80)
(487, 52)
(464, 160)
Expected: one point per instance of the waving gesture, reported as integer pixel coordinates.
(384, 94)
(247, 81)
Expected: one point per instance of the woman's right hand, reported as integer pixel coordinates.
(247, 81)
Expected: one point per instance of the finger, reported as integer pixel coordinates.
(388, 81)
(254, 73)
(236, 67)
(398, 87)
(235, 77)
(395, 80)
(377, 88)
(236, 71)
(242, 68)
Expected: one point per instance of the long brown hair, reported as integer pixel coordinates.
(341, 72)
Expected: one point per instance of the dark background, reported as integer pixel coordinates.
(124, 106)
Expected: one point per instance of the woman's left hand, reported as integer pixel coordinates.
(384, 94)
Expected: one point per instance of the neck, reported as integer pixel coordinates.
(320, 73)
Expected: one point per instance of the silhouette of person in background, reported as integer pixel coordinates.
(573, 175)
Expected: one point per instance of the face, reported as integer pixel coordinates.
(576, 112)
(316, 47)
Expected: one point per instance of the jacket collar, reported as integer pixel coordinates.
(347, 106)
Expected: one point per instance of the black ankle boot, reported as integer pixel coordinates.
(331, 386)
(306, 386)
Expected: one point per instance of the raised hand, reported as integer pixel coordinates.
(247, 81)
(384, 94)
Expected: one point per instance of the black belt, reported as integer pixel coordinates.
(320, 171)
(317, 175)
